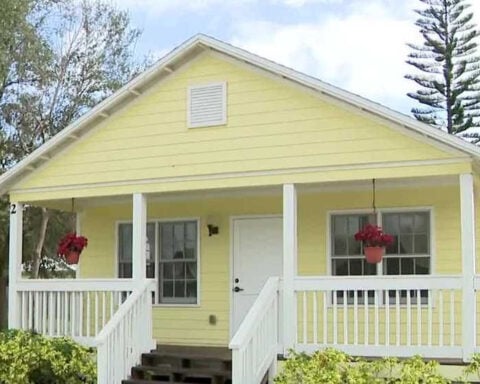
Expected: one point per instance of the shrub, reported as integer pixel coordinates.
(335, 367)
(29, 358)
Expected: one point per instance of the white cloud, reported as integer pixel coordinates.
(363, 51)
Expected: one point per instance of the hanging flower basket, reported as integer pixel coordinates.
(72, 257)
(70, 247)
(373, 255)
(374, 242)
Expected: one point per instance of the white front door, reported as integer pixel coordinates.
(257, 255)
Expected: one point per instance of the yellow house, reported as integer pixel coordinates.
(231, 187)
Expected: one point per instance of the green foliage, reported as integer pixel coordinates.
(335, 367)
(447, 65)
(29, 358)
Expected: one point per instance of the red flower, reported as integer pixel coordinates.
(71, 242)
(373, 236)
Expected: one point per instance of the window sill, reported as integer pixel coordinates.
(176, 305)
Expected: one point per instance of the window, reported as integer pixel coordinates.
(125, 250)
(410, 254)
(207, 105)
(176, 257)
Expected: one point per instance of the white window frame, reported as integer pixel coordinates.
(223, 121)
(157, 257)
(379, 212)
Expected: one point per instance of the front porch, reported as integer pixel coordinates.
(304, 308)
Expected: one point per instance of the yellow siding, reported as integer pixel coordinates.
(271, 126)
(190, 325)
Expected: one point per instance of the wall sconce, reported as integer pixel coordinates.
(212, 229)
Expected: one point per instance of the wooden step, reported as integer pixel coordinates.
(179, 360)
(180, 374)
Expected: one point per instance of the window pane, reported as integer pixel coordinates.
(390, 223)
(179, 269)
(192, 288)
(406, 244)
(406, 223)
(340, 225)
(354, 247)
(422, 265)
(125, 270)
(151, 242)
(421, 245)
(191, 270)
(421, 222)
(391, 265)
(406, 266)
(167, 270)
(340, 267)
(167, 289)
(179, 288)
(339, 246)
(179, 233)
(191, 229)
(356, 267)
(125, 242)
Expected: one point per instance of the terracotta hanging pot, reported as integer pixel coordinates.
(373, 255)
(72, 257)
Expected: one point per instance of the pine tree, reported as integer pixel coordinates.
(448, 66)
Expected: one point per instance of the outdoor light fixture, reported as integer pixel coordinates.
(212, 229)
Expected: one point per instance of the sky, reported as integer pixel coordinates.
(357, 45)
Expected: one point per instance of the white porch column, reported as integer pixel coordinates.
(139, 237)
(15, 263)
(289, 266)
(467, 219)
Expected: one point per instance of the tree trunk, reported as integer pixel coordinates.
(37, 255)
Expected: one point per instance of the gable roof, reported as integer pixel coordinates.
(185, 52)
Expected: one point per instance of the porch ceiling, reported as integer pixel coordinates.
(77, 204)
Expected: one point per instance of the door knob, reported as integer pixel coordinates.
(237, 289)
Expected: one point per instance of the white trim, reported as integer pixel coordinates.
(199, 42)
(231, 175)
(139, 237)
(15, 211)
(467, 220)
(232, 219)
(290, 266)
(157, 221)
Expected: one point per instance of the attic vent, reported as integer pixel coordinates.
(207, 105)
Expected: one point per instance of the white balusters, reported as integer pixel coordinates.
(379, 315)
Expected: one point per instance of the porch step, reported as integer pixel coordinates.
(180, 364)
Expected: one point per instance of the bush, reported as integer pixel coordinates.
(334, 367)
(29, 358)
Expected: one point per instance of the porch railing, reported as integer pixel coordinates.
(69, 307)
(381, 316)
(126, 336)
(254, 345)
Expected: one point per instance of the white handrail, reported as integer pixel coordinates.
(63, 285)
(254, 345)
(126, 336)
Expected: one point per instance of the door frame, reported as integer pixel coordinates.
(232, 222)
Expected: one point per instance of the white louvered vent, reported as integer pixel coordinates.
(207, 105)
